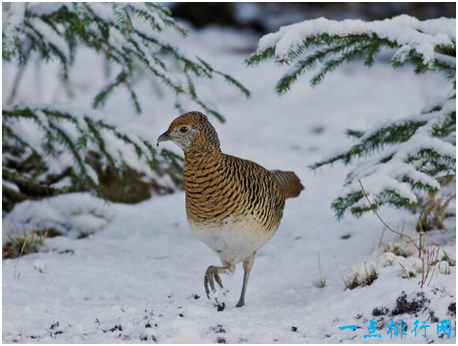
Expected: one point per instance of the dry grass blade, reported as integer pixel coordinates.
(358, 278)
(20, 255)
(322, 282)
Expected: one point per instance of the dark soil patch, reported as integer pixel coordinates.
(432, 317)
(145, 337)
(218, 329)
(116, 327)
(452, 309)
(403, 306)
(380, 311)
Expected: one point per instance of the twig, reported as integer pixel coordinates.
(431, 261)
(427, 257)
(384, 223)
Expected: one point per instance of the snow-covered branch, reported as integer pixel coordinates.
(48, 150)
(396, 160)
(326, 44)
(126, 34)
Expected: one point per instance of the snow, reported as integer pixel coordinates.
(408, 32)
(409, 267)
(138, 276)
(107, 13)
(51, 36)
(74, 215)
(444, 268)
(41, 8)
(12, 18)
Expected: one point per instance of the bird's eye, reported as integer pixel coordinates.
(183, 129)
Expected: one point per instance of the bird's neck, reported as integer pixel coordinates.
(199, 155)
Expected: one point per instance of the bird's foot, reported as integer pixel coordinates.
(212, 275)
(240, 303)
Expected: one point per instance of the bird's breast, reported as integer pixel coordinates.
(232, 205)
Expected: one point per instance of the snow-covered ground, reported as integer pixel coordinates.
(140, 278)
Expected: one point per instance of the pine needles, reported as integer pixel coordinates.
(400, 161)
(125, 34)
(75, 134)
(130, 38)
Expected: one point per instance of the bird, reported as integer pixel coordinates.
(233, 205)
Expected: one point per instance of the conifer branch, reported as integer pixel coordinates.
(118, 33)
(400, 159)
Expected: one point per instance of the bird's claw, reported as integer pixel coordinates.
(211, 275)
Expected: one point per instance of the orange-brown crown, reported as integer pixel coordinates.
(196, 119)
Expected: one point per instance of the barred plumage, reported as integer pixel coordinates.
(233, 205)
(289, 182)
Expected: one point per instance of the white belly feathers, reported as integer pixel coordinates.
(234, 240)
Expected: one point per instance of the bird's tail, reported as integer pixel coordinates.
(290, 183)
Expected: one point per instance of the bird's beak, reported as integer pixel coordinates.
(164, 137)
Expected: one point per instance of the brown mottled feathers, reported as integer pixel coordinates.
(220, 186)
(290, 183)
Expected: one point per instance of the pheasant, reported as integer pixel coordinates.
(233, 205)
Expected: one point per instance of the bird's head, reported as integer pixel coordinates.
(191, 131)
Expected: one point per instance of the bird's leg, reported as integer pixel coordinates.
(247, 265)
(212, 275)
